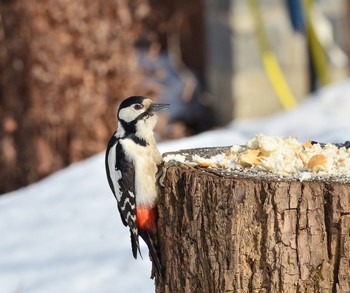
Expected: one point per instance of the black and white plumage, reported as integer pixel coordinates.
(131, 166)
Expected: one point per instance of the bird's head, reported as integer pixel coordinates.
(136, 115)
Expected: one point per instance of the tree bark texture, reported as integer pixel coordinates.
(230, 233)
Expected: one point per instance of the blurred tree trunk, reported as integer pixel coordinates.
(184, 22)
(64, 65)
(230, 233)
(16, 132)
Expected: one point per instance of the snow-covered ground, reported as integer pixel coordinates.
(64, 233)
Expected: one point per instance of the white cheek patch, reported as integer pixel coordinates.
(129, 114)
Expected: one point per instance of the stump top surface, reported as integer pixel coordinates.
(185, 157)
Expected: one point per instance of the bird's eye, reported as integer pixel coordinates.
(138, 106)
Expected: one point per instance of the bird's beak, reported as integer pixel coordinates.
(158, 107)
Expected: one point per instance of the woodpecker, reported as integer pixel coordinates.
(131, 163)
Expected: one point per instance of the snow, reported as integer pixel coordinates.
(64, 234)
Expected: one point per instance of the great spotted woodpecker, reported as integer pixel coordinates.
(131, 166)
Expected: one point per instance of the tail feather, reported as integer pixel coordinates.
(152, 249)
(135, 244)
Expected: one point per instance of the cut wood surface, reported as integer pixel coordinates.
(229, 232)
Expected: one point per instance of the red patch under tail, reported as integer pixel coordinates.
(146, 219)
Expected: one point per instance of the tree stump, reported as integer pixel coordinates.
(243, 232)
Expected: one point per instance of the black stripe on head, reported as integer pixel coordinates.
(129, 127)
(130, 101)
(138, 140)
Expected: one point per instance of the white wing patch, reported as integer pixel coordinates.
(114, 174)
(128, 201)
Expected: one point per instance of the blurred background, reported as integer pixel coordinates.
(66, 65)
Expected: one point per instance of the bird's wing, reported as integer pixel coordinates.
(127, 199)
(112, 174)
(121, 178)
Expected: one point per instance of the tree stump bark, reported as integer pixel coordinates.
(234, 232)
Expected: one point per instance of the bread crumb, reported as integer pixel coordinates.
(283, 156)
(307, 144)
(249, 158)
(318, 163)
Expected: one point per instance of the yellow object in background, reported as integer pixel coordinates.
(270, 63)
(278, 81)
(318, 53)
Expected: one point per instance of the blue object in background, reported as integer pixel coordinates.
(296, 15)
(297, 19)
